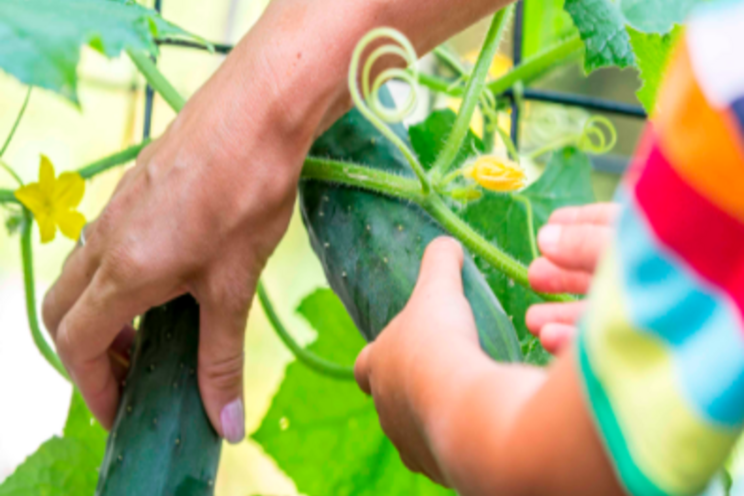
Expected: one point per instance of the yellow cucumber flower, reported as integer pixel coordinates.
(496, 174)
(53, 201)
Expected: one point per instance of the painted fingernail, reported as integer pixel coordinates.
(548, 237)
(233, 421)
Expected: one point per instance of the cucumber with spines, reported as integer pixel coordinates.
(371, 246)
(162, 443)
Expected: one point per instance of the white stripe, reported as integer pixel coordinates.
(715, 37)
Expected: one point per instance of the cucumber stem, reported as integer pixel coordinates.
(16, 123)
(156, 79)
(473, 91)
(310, 359)
(118, 158)
(28, 278)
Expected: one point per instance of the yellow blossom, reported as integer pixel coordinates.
(53, 201)
(496, 174)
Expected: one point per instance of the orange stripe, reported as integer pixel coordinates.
(702, 144)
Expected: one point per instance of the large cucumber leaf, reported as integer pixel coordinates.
(503, 221)
(63, 465)
(604, 24)
(40, 39)
(325, 434)
(654, 52)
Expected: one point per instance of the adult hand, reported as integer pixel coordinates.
(571, 243)
(200, 213)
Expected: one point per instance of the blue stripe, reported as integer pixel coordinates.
(702, 328)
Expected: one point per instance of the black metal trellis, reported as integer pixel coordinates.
(562, 98)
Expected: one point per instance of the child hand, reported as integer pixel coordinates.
(410, 364)
(571, 243)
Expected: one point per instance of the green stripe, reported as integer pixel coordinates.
(631, 475)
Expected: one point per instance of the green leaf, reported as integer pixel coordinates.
(652, 54)
(324, 433)
(62, 466)
(81, 425)
(656, 16)
(428, 139)
(40, 39)
(602, 27)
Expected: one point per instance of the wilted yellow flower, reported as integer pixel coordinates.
(496, 174)
(53, 201)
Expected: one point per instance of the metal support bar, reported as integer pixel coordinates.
(517, 57)
(587, 102)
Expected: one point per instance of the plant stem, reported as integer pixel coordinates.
(473, 91)
(156, 79)
(28, 279)
(534, 66)
(308, 358)
(7, 196)
(525, 72)
(111, 161)
(530, 222)
(449, 59)
(10, 171)
(16, 123)
(362, 177)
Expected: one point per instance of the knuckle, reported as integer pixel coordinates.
(225, 374)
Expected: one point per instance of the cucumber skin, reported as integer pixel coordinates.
(162, 443)
(371, 246)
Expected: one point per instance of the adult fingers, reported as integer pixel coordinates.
(555, 337)
(542, 314)
(361, 369)
(602, 214)
(574, 247)
(83, 340)
(220, 368)
(547, 277)
(441, 267)
(77, 273)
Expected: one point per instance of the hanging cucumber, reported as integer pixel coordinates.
(162, 443)
(371, 246)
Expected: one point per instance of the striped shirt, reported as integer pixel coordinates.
(661, 349)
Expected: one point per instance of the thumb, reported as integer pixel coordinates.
(441, 267)
(221, 366)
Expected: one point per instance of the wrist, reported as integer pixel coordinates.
(301, 55)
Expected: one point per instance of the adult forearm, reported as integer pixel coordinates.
(306, 46)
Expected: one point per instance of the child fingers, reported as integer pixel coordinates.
(554, 337)
(441, 267)
(602, 214)
(538, 316)
(574, 247)
(547, 277)
(361, 369)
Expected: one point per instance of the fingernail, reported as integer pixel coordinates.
(548, 237)
(233, 421)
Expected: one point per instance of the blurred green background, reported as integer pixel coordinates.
(33, 399)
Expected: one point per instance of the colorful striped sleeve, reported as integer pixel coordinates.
(661, 349)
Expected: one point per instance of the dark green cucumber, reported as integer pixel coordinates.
(162, 443)
(371, 246)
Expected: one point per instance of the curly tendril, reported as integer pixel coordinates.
(367, 99)
(599, 135)
(596, 136)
